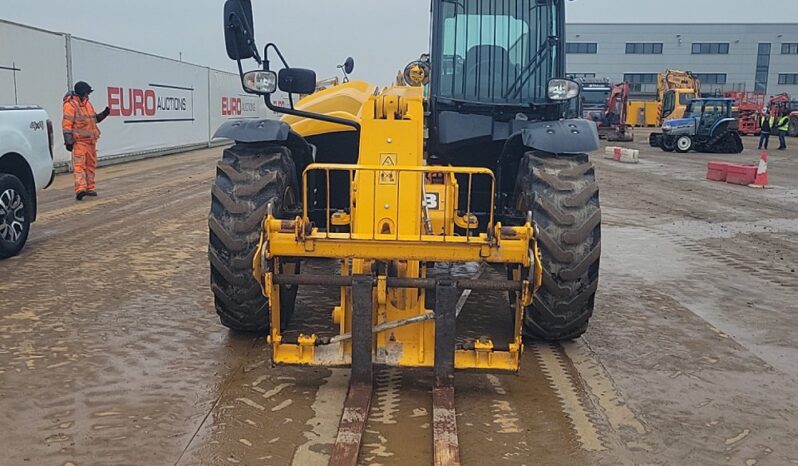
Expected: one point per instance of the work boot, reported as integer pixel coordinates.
(80, 195)
(91, 193)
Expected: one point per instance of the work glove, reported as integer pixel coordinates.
(103, 115)
(69, 147)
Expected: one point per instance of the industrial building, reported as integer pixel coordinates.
(726, 57)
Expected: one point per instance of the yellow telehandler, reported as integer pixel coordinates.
(476, 158)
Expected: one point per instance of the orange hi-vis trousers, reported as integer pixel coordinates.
(84, 159)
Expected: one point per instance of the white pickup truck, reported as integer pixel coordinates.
(26, 167)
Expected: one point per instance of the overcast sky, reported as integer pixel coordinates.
(382, 35)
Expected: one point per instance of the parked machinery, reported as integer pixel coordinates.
(606, 105)
(709, 126)
(616, 127)
(782, 104)
(675, 90)
(593, 99)
(749, 106)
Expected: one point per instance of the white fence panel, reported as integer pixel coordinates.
(229, 102)
(33, 66)
(156, 103)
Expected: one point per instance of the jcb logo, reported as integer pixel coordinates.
(36, 125)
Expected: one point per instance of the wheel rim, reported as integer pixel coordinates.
(684, 143)
(12, 215)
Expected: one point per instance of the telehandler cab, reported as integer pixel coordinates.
(477, 158)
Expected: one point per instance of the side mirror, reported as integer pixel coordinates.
(349, 65)
(239, 30)
(297, 81)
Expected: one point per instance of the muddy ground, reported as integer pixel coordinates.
(110, 352)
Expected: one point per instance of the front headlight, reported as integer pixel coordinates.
(563, 89)
(260, 82)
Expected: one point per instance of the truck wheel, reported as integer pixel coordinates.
(248, 178)
(15, 215)
(668, 144)
(684, 144)
(562, 193)
(793, 131)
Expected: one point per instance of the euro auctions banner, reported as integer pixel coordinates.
(156, 103)
(230, 102)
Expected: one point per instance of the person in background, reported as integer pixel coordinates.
(783, 127)
(80, 137)
(766, 124)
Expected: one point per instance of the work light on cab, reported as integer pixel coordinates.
(260, 82)
(563, 89)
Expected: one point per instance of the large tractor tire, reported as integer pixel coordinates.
(793, 131)
(248, 178)
(563, 196)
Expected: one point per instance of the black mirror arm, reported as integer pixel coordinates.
(250, 41)
(346, 75)
(292, 110)
(311, 115)
(279, 54)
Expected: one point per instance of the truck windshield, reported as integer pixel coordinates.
(595, 97)
(496, 52)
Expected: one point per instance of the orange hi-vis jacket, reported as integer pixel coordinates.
(80, 120)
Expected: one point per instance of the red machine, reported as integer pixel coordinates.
(750, 106)
(783, 104)
(615, 127)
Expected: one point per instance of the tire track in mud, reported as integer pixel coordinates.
(573, 405)
(759, 268)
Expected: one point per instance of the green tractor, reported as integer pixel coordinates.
(709, 125)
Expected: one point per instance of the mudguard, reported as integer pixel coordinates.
(562, 137)
(249, 131)
(724, 124)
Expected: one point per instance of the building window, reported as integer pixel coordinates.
(710, 48)
(711, 78)
(644, 48)
(789, 49)
(640, 82)
(788, 78)
(640, 78)
(581, 47)
(762, 67)
(580, 75)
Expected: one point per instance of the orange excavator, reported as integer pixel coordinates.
(615, 127)
(606, 105)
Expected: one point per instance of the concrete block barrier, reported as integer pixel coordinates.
(620, 154)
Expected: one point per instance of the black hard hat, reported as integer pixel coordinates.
(83, 89)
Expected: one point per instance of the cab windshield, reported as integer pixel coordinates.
(693, 110)
(595, 97)
(497, 52)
